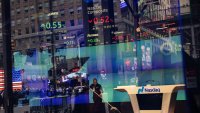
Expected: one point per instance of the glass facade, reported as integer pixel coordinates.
(73, 56)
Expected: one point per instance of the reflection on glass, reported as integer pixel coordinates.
(61, 46)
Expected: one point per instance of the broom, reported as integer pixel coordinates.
(112, 108)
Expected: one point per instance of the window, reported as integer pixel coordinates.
(12, 2)
(18, 11)
(27, 30)
(26, 20)
(32, 19)
(71, 11)
(33, 29)
(13, 32)
(40, 6)
(55, 16)
(19, 32)
(46, 5)
(80, 21)
(62, 2)
(62, 12)
(48, 39)
(71, 1)
(57, 37)
(71, 22)
(47, 17)
(54, 3)
(40, 28)
(19, 22)
(79, 9)
(32, 8)
(40, 17)
(26, 9)
(92, 39)
(13, 23)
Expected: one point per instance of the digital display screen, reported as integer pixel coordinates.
(103, 19)
(96, 56)
(99, 22)
(113, 65)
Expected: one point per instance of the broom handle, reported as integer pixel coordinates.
(100, 97)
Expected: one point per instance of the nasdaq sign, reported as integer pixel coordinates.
(148, 90)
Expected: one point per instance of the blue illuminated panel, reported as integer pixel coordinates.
(123, 4)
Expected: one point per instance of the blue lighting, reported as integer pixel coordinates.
(16, 76)
(88, 1)
(123, 4)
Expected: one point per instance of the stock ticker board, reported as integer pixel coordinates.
(99, 23)
(99, 27)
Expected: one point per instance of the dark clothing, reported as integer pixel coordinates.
(74, 83)
(1, 100)
(98, 105)
(98, 89)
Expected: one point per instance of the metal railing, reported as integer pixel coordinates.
(164, 14)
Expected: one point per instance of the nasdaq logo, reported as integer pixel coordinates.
(88, 1)
(148, 90)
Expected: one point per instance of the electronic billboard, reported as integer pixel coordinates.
(122, 64)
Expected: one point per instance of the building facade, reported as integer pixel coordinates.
(30, 19)
(29, 32)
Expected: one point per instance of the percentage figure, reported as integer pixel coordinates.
(102, 19)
